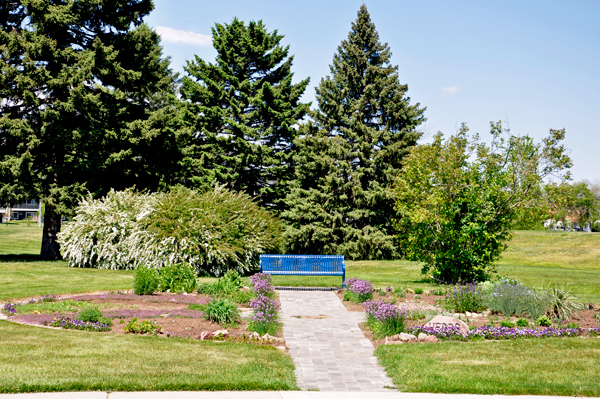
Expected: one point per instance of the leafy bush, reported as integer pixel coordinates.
(228, 286)
(145, 281)
(507, 323)
(179, 277)
(213, 231)
(222, 311)
(543, 321)
(358, 290)
(92, 314)
(384, 318)
(419, 291)
(465, 298)
(144, 327)
(522, 323)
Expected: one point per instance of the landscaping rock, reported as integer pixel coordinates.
(206, 335)
(445, 321)
(221, 333)
(430, 338)
(407, 337)
(468, 314)
(393, 338)
(456, 315)
(422, 337)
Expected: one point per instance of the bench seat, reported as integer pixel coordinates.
(304, 265)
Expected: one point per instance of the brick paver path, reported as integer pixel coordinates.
(331, 354)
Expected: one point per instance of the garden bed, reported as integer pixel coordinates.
(178, 315)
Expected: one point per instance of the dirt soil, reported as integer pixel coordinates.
(170, 311)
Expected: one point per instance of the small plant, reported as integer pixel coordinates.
(266, 315)
(384, 318)
(380, 292)
(145, 281)
(464, 298)
(543, 321)
(418, 297)
(92, 314)
(65, 322)
(226, 286)
(573, 325)
(358, 290)
(438, 292)
(178, 277)
(522, 323)
(419, 291)
(507, 323)
(222, 311)
(597, 316)
(144, 327)
(9, 309)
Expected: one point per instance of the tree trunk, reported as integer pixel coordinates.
(50, 247)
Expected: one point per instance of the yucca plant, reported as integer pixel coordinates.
(562, 304)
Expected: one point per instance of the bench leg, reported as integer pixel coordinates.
(344, 279)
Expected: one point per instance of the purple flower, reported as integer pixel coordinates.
(262, 284)
(360, 287)
(265, 310)
(9, 309)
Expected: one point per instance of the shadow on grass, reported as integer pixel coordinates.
(20, 258)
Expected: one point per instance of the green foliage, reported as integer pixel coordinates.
(419, 291)
(573, 325)
(92, 314)
(179, 277)
(522, 323)
(213, 231)
(507, 323)
(562, 304)
(244, 108)
(464, 298)
(144, 327)
(458, 198)
(341, 200)
(84, 89)
(222, 311)
(438, 291)
(145, 281)
(543, 321)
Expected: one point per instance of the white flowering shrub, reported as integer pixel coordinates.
(213, 231)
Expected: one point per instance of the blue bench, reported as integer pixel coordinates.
(304, 265)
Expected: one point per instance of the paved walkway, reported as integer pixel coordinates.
(331, 354)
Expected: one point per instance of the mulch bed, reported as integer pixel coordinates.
(170, 311)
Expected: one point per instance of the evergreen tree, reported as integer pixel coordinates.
(83, 95)
(350, 154)
(243, 110)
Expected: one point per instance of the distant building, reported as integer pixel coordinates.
(28, 210)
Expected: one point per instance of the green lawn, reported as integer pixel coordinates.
(36, 359)
(555, 366)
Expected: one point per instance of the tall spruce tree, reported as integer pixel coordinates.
(243, 110)
(82, 96)
(341, 201)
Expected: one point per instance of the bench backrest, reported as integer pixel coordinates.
(307, 265)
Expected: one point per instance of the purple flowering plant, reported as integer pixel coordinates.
(385, 318)
(65, 322)
(261, 284)
(501, 333)
(465, 298)
(358, 290)
(9, 309)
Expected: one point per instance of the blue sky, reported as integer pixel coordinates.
(535, 64)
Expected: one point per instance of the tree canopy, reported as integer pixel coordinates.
(83, 86)
(457, 198)
(242, 111)
(351, 151)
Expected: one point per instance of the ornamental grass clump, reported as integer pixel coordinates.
(385, 318)
(465, 298)
(222, 311)
(358, 290)
(65, 322)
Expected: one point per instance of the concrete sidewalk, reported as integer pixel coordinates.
(261, 395)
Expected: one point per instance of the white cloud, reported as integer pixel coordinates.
(450, 90)
(182, 37)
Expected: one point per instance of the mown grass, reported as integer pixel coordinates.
(40, 360)
(555, 366)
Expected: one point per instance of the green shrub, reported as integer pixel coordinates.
(144, 327)
(419, 291)
(179, 277)
(225, 286)
(522, 323)
(145, 281)
(93, 314)
(507, 323)
(562, 305)
(543, 321)
(222, 311)
(213, 231)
